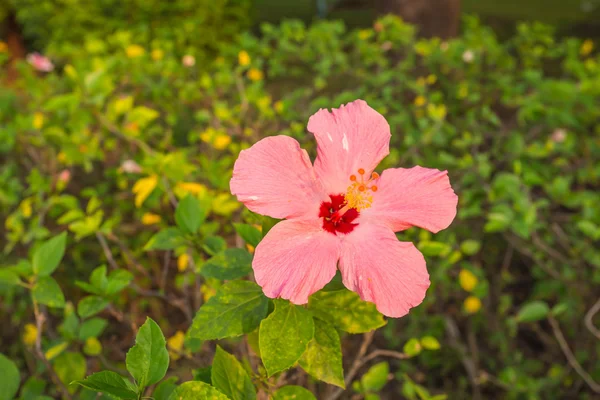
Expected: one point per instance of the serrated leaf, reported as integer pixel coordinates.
(167, 239)
(236, 308)
(229, 264)
(148, 360)
(46, 291)
(534, 311)
(250, 234)
(47, 257)
(195, 390)
(230, 377)
(189, 214)
(109, 382)
(323, 356)
(11, 379)
(284, 336)
(292, 392)
(346, 311)
(91, 305)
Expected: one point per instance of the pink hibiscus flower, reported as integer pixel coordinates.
(340, 213)
(40, 62)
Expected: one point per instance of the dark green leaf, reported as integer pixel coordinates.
(164, 389)
(236, 308)
(9, 277)
(203, 374)
(118, 280)
(250, 234)
(230, 377)
(230, 264)
(109, 382)
(189, 214)
(148, 360)
(167, 239)
(91, 305)
(46, 291)
(284, 336)
(11, 379)
(346, 311)
(323, 356)
(195, 390)
(292, 392)
(47, 257)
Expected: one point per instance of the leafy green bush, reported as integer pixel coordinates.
(130, 150)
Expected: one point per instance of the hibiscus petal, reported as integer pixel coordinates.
(295, 259)
(275, 177)
(383, 270)
(348, 138)
(416, 196)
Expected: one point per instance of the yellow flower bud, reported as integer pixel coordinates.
(472, 304)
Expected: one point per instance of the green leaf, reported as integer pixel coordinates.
(47, 257)
(98, 278)
(195, 390)
(434, 249)
(167, 239)
(559, 309)
(9, 277)
(118, 280)
(228, 375)
(70, 367)
(376, 377)
(203, 374)
(534, 311)
(250, 234)
(346, 311)
(412, 347)
(236, 308)
(284, 336)
(46, 291)
(323, 356)
(11, 379)
(109, 382)
(430, 343)
(292, 392)
(164, 389)
(229, 264)
(189, 214)
(91, 305)
(92, 328)
(470, 247)
(148, 360)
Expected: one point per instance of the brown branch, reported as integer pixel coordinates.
(589, 319)
(367, 339)
(111, 260)
(571, 357)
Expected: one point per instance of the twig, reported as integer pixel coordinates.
(111, 260)
(40, 318)
(367, 339)
(571, 357)
(589, 319)
(526, 252)
(467, 362)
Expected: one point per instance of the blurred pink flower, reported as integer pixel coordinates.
(340, 210)
(559, 135)
(40, 62)
(64, 176)
(188, 61)
(468, 56)
(131, 167)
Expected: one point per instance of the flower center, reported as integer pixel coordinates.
(359, 194)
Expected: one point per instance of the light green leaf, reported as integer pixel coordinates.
(46, 291)
(91, 305)
(250, 234)
(292, 392)
(470, 247)
(118, 280)
(148, 360)
(189, 214)
(98, 278)
(11, 379)
(229, 264)
(167, 239)
(92, 328)
(109, 382)
(346, 311)
(412, 347)
(323, 356)
(284, 336)
(430, 343)
(70, 367)
(534, 311)
(195, 390)
(376, 377)
(47, 257)
(230, 377)
(434, 249)
(9, 277)
(236, 308)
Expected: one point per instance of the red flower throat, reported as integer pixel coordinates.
(335, 219)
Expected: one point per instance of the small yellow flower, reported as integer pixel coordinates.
(207, 292)
(157, 54)
(143, 188)
(586, 47)
(134, 51)
(244, 58)
(26, 208)
(255, 74)
(92, 347)
(221, 142)
(420, 101)
(364, 34)
(150, 219)
(62, 157)
(250, 248)
(191, 187)
(29, 334)
(421, 81)
(437, 112)
(472, 304)
(3, 47)
(431, 79)
(183, 261)
(38, 120)
(175, 344)
(463, 91)
(467, 280)
(279, 106)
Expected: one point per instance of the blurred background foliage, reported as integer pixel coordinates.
(151, 101)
